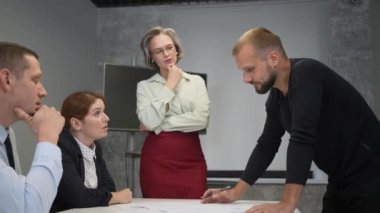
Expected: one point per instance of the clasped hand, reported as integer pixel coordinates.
(46, 123)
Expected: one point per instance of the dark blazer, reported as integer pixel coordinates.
(72, 193)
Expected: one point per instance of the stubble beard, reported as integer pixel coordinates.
(268, 84)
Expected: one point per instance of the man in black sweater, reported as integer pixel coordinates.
(329, 123)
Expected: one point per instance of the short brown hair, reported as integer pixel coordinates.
(12, 57)
(77, 105)
(262, 40)
(155, 31)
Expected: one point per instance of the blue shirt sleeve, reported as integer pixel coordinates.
(36, 191)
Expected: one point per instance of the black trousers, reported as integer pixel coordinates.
(363, 197)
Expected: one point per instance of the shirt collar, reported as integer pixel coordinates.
(87, 152)
(158, 78)
(3, 134)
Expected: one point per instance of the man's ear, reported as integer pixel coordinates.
(75, 123)
(273, 58)
(5, 79)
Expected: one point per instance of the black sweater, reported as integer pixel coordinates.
(72, 193)
(329, 122)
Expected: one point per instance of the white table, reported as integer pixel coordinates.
(142, 205)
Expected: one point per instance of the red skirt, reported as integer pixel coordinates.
(173, 166)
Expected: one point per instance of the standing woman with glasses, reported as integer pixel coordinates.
(172, 106)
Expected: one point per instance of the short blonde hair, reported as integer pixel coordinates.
(262, 40)
(147, 38)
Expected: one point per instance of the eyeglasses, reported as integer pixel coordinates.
(160, 51)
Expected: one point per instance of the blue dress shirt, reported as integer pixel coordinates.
(36, 191)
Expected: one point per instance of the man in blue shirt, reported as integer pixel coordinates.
(20, 93)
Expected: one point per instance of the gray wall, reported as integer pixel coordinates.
(351, 44)
(64, 35)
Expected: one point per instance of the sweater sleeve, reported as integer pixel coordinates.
(305, 98)
(267, 145)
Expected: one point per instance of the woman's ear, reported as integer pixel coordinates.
(75, 123)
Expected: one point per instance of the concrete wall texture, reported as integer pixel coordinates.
(375, 26)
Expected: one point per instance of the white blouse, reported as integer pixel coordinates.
(185, 109)
(89, 156)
